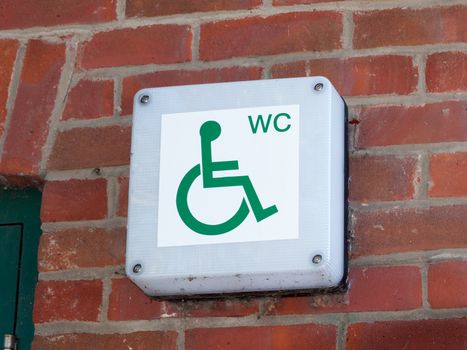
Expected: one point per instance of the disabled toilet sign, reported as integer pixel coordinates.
(229, 176)
(237, 187)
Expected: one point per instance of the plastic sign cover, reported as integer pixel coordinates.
(237, 187)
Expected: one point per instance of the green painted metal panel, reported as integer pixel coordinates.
(22, 208)
(10, 246)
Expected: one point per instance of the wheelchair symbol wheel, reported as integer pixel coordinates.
(209, 132)
(196, 225)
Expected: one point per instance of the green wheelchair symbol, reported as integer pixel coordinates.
(209, 132)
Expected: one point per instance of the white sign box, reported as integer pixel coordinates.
(237, 187)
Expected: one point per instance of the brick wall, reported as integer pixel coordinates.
(68, 71)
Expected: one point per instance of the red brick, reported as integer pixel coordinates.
(256, 36)
(446, 71)
(381, 178)
(402, 26)
(156, 44)
(67, 301)
(91, 147)
(33, 13)
(408, 335)
(385, 288)
(145, 8)
(388, 231)
(315, 304)
(8, 50)
(90, 99)
(18, 181)
(291, 69)
(371, 289)
(448, 175)
(128, 302)
(221, 308)
(400, 125)
(122, 208)
(160, 340)
(35, 100)
(74, 200)
(296, 337)
(81, 248)
(447, 284)
(183, 77)
(356, 76)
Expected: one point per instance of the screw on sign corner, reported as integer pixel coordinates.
(144, 99)
(319, 87)
(137, 268)
(317, 259)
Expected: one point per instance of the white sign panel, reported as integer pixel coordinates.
(237, 187)
(233, 173)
